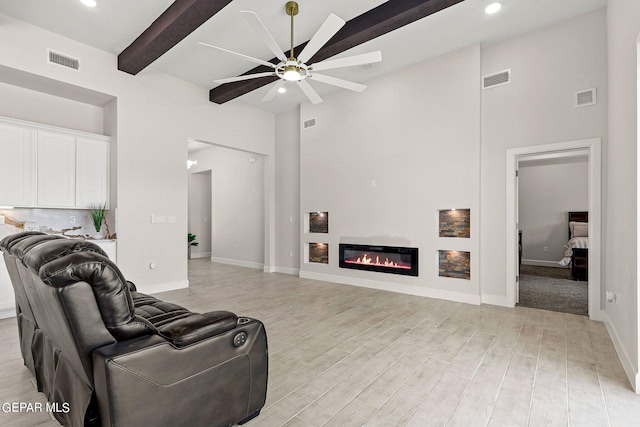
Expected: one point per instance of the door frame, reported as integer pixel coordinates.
(592, 147)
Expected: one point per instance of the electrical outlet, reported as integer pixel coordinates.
(1, 219)
(611, 297)
(72, 219)
(546, 249)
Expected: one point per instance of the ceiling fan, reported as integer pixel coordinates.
(294, 69)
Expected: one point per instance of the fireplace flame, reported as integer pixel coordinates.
(366, 259)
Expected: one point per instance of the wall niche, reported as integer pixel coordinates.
(454, 223)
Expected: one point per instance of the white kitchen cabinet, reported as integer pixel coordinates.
(48, 167)
(92, 172)
(56, 170)
(17, 160)
(109, 247)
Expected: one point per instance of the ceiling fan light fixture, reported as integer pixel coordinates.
(291, 71)
(291, 74)
(89, 3)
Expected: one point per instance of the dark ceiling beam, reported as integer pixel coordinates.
(175, 23)
(383, 19)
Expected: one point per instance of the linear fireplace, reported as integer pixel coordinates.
(383, 259)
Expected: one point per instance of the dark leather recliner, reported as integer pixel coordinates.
(105, 354)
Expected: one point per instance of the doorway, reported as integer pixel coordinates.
(591, 148)
(200, 213)
(548, 190)
(232, 214)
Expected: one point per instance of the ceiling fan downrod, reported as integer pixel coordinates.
(292, 10)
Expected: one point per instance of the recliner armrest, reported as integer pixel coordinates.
(196, 327)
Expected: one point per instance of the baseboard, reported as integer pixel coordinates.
(238, 263)
(541, 263)
(164, 287)
(269, 269)
(598, 316)
(288, 270)
(499, 300)
(201, 255)
(625, 360)
(393, 287)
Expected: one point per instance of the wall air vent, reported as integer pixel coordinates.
(309, 123)
(584, 98)
(63, 60)
(496, 79)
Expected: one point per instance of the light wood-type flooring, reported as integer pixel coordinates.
(347, 356)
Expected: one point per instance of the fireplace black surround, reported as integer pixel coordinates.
(383, 259)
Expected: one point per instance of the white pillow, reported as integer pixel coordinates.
(579, 229)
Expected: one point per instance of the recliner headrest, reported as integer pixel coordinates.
(53, 249)
(8, 242)
(20, 248)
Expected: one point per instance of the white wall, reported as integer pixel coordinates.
(237, 204)
(31, 105)
(287, 191)
(154, 115)
(415, 133)
(548, 190)
(547, 67)
(200, 213)
(621, 236)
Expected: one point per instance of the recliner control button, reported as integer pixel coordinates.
(240, 339)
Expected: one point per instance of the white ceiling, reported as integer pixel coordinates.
(114, 24)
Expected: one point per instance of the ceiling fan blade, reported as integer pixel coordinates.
(356, 87)
(272, 92)
(259, 28)
(330, 27)
(248, 58)
(310, 92)
(247, 77)
(365, 58)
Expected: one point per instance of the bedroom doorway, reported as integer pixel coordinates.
(551, 192)
(558, 152)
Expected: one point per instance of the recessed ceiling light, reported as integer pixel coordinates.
(492, 8)
(282, 90)
(89, 3)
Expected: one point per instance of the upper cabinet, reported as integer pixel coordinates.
(48, 167)
(17, 166)
(92, 172)
(56, 170)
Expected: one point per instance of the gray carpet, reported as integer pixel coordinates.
(548, 293)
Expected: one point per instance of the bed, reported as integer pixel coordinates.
(577, 248)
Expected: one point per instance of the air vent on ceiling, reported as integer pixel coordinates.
(309, 123)
(496, 79)
(584, 98)
(63, 60)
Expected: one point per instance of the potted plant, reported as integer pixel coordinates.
(96, 212)
(191, 241)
